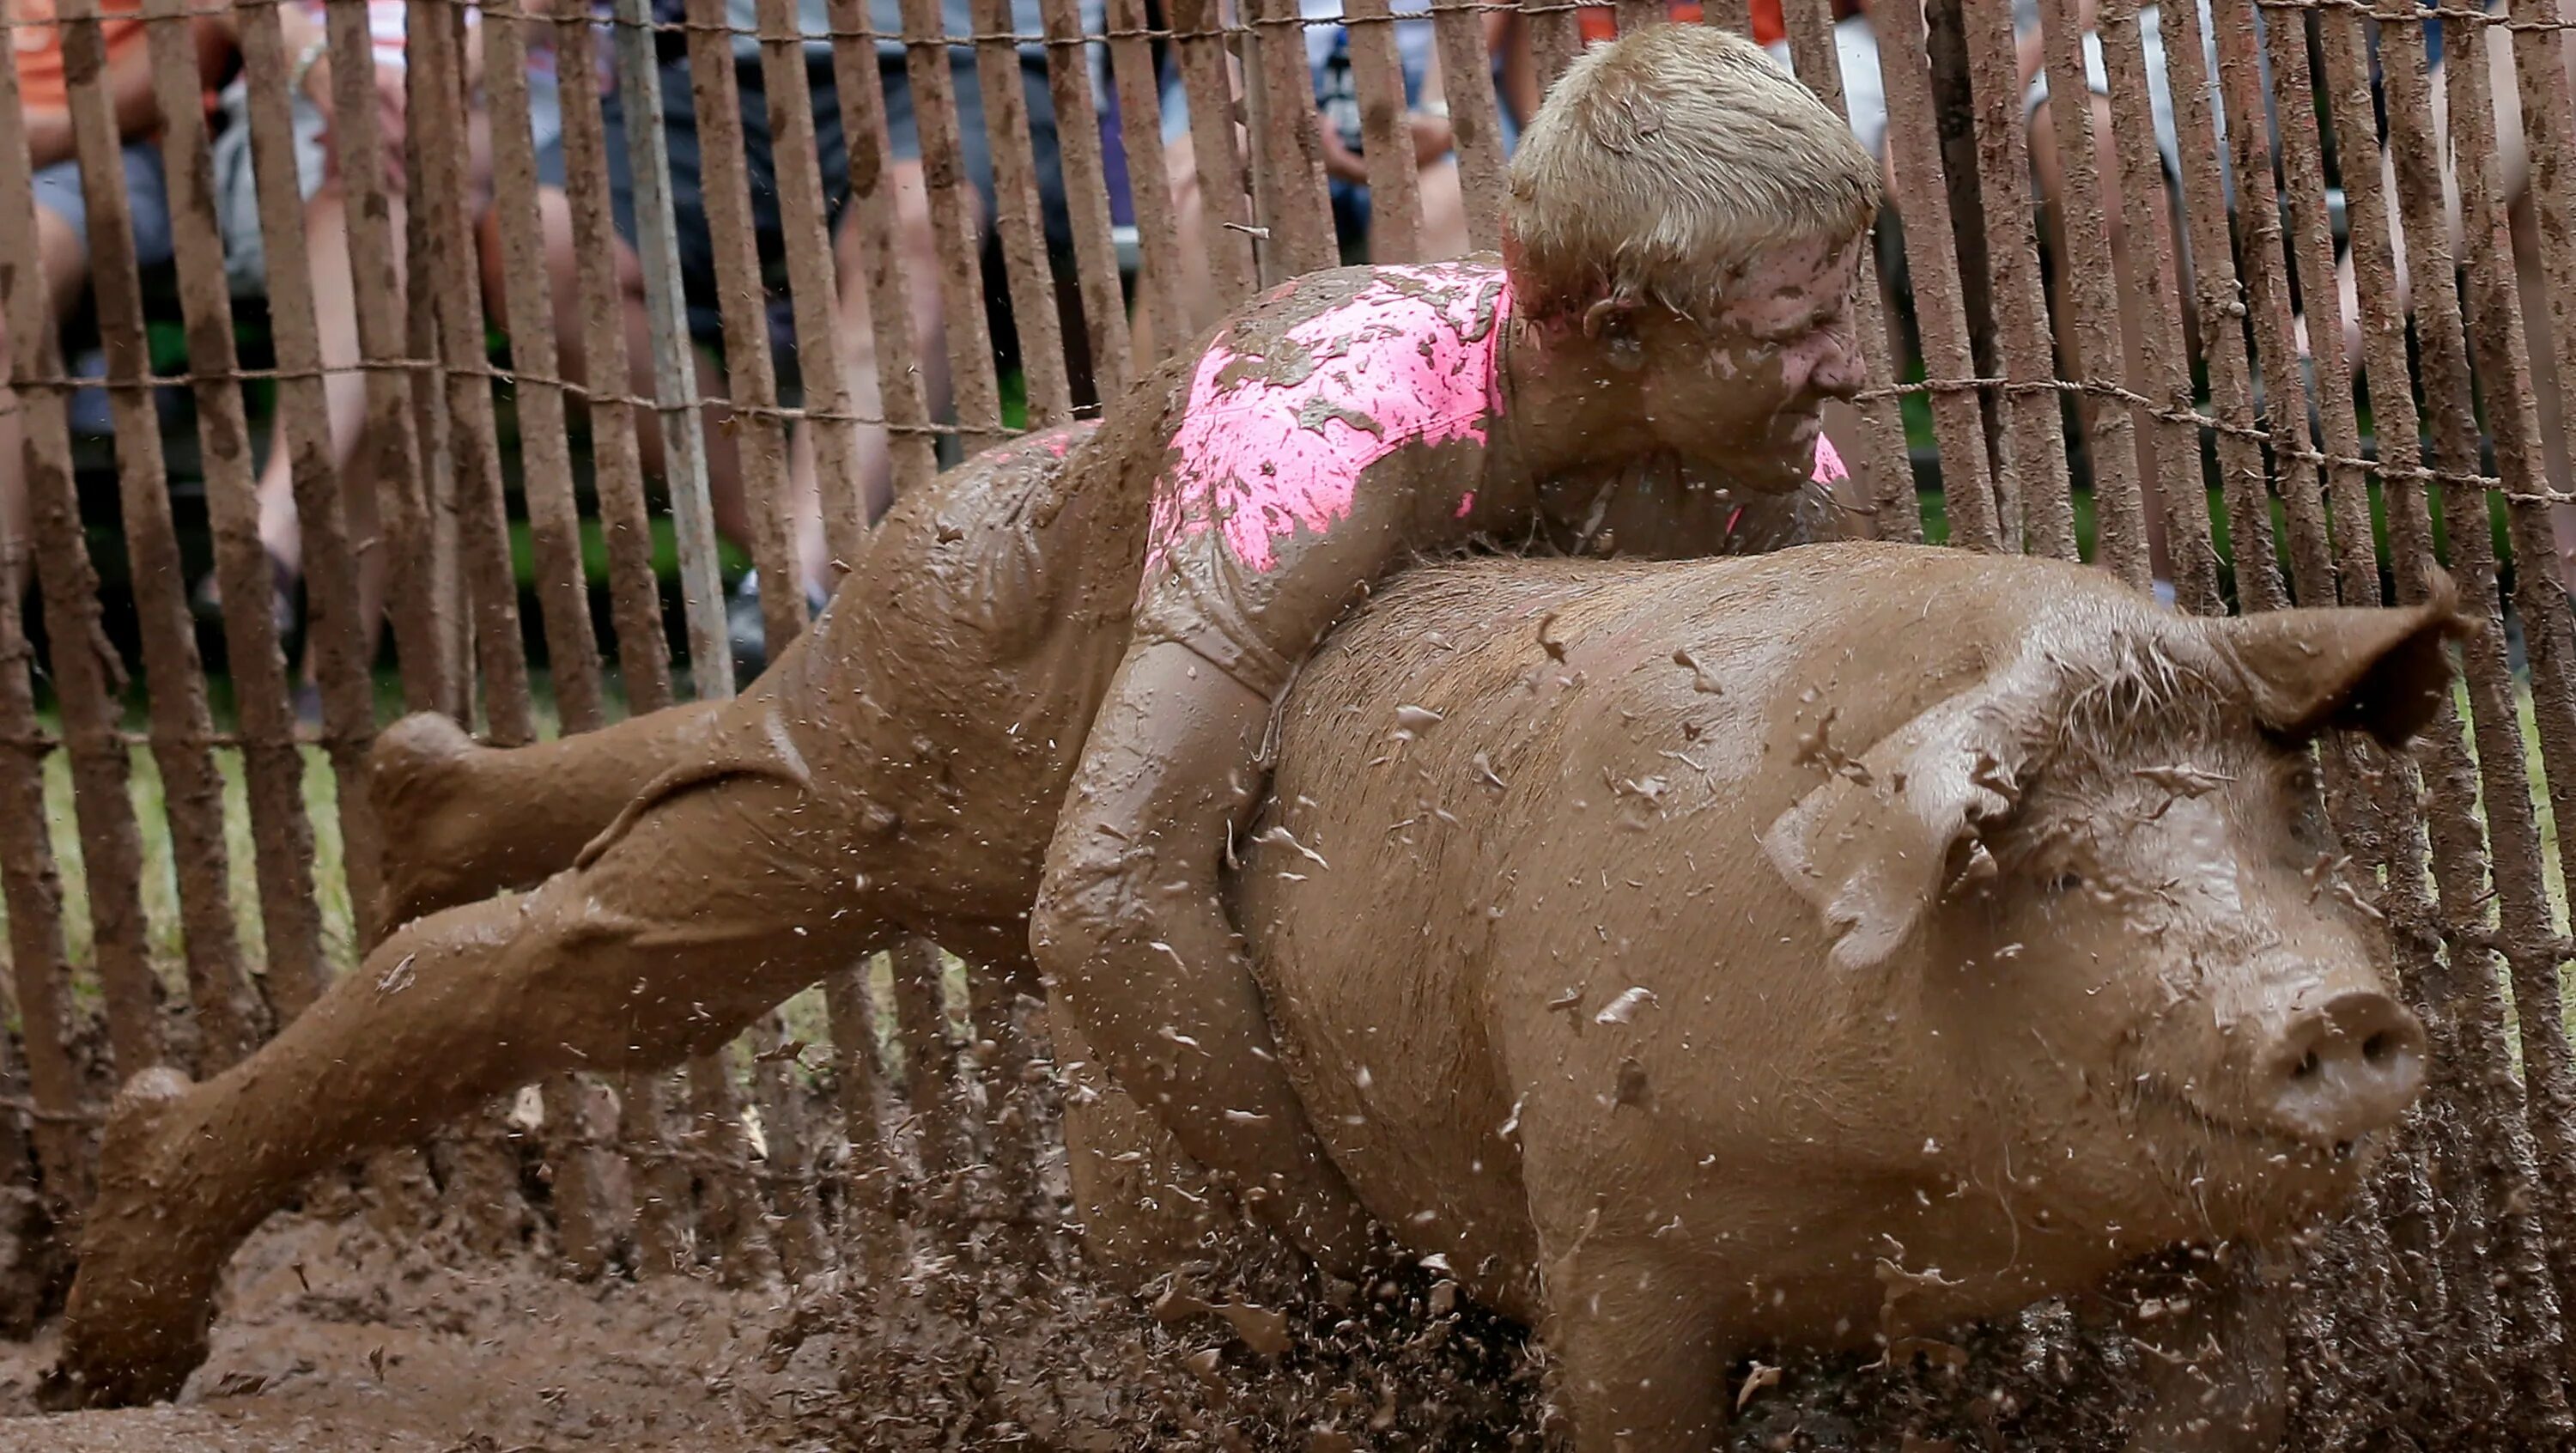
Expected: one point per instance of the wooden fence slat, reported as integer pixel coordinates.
(85, 669)
(2267, 299)
(336, 633)
(1554, 38)
(661, 1183)
(2220, 300)
(617, 470)
(584, 1218)
(2037, 446)
(675, 379)
(870, 1177)
(273, 766)
(1636, 15)
(435, 543)
(398, 451)
(1019, 217)
(952, 202)
(1967, 485)
(1225, 183)
(1880, 459)
(31, 886)
(1289, 144)
(554, 516)
(813, 283)
(1394, 188)
(1086, 199)
(870, 213)
(192, 790)
(787, 1169)
(1734, 15)
(930, 1061)
(1158, 241)
(1475, 117)
(2161, 368)
(2488, 1161)
(2445, 1277)
(728, 1200)
(444, 193)
(2499, 349)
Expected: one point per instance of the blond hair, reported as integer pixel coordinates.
(1667, 163)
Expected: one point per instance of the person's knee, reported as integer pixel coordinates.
(1081, 902)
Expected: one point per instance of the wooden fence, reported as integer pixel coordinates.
(2050, 405)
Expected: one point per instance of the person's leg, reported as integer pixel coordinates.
(463, 821)
(62, 261)
(722, 896)
(1444, 211)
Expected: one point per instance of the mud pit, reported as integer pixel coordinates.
(376, 1326)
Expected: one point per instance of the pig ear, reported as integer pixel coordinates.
(2379, 671)
(1888, 835)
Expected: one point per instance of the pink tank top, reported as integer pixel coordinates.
(1272, 445)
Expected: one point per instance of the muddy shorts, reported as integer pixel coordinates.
(679, 126)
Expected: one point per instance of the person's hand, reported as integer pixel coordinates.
(391, 119)
(1339, 159)
(1433, 136)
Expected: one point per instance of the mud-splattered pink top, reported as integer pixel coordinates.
(1266, 449)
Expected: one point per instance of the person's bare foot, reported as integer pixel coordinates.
(416, 774)
(136, 1323)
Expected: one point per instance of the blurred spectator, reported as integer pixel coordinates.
(326, 236)
(856, 340)
(62, 209)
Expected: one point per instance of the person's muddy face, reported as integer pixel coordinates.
(1745, 393)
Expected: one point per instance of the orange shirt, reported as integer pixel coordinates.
(1601, 23)
(39, 47)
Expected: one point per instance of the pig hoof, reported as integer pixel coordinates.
(136, 1324)
(413, 776)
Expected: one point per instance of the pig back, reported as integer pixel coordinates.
(1511, 791)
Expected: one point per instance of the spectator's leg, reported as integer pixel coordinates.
(62, 254)
(1444, 210)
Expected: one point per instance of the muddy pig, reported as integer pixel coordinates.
(1831, 947)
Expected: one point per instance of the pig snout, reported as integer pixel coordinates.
(2339, 1070)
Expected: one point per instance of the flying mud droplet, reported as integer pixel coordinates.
(1632, 1083)
(1483, 768)
(1554, 648)
(1701, 681)
(397, 978)
(1625, 1007)
(1763, 1375)
(1411, 721)
(1263, 1330)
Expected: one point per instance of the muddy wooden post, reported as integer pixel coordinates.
(1002, 1058)
(952, 221)
(1394, 186)
(2219, 301)
(1731, 15)
(282, 837)
(1140, 118)
(337, 634)
(1289, 143)
(2167, 431)
(731, 1198)
(2488, 1164)
(2017, 299)
(1019, 219)
(181, 726)
(443, 194)
(929, 1065)
(675, 379)
(2498, 340)
(585, 1221)
(617, 471)
(1086, 200)
(787, 1162)
(1554, 37)
(1955, 114)
(911, 441)
(870, 1178)
(1225, 185)
(813, 283)
(1475, 117)
(2448, 1278)
(1967, 485)
(1880, 459)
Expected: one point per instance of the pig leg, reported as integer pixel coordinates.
(709, 904)
(1639, 1362)
(463, 821)
(2215, 1361)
